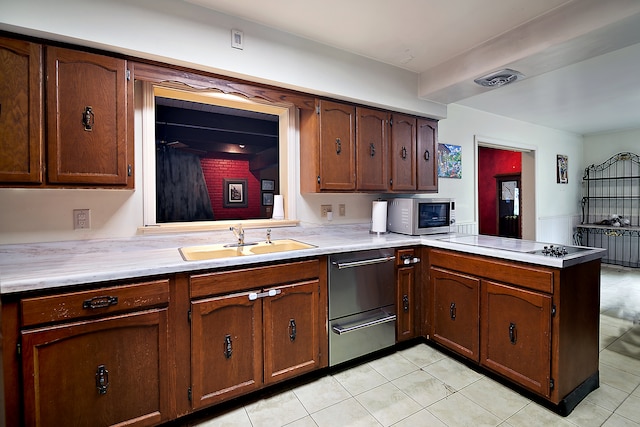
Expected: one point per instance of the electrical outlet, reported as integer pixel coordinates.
(342, 210)
(81, 219)
(324, 209)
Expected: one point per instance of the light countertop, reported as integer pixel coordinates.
(37, 266)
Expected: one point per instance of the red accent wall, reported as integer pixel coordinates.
(215, 170)
(492, 162)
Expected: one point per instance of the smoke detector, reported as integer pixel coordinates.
(499, 78)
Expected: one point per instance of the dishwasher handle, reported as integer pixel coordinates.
(338, 329)
(371, 261)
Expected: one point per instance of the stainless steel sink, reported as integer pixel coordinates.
(205, 252)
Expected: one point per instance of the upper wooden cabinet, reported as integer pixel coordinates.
(403, 153)
(427, 156)
(344, 147)
(372, 149)
(413, 154)
(328, 150)
(89, 111)
(21, 112)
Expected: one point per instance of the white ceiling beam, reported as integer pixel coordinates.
(580, 30)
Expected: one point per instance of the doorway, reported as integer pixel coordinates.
(497, 159)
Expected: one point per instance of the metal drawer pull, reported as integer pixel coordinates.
(346, 329)
(513, 333)
(452, 311)
(102, 379)
(371, 261)
(88, 118)
(338, 146)
(270, 293)
(405, 303)
(99, 302)
(292, 330)
(227, 346)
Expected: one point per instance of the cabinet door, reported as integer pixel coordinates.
(337, 146)
(291, 337)
(86, 118)
(516, 335)
(97, 373)
(427, 155)
(226, 348)
(372, 149)
(20, 111)
(405, 299)
(456, 299)
(403, 153)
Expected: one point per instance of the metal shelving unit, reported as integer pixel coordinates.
(611, 209)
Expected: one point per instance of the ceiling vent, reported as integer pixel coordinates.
(499, 78)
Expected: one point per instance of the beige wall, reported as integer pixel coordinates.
(184, 34)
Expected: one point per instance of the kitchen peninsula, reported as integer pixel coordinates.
(498, 303)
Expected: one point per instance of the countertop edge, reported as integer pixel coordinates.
(63, 264)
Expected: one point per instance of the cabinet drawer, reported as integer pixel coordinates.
(92, 303)
(527, 276)
(225, 282)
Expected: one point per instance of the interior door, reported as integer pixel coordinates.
(509, 206)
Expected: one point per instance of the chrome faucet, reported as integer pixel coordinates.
(239, 233)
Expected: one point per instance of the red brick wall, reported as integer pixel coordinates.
(492, 162)
(215, 171)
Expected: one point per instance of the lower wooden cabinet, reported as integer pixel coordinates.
(146, 353)
(228, 358)
(101, 369)
(258, 336)
(455, 306)
(536, 326)
(226, 348)
(101, 372)
(407, 291)
(291, 334)
(515, 335)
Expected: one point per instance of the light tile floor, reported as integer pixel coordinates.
(421, 386)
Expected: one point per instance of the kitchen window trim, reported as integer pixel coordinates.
(288, 152)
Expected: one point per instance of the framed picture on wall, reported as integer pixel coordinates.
(267, 199)
(562, 174)
(268, 185)
(235, 193)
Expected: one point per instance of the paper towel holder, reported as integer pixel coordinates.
(378, 218)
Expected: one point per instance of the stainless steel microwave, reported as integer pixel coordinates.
(418, 216)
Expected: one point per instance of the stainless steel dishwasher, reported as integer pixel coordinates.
(362, 316)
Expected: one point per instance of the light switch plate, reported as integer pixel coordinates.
(237, 39)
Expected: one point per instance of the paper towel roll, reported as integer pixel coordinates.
(379, 217)
(278, 207)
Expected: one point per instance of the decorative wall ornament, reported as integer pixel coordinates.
(562, 169)
(449, 161)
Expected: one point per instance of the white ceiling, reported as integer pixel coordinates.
(580, 58)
